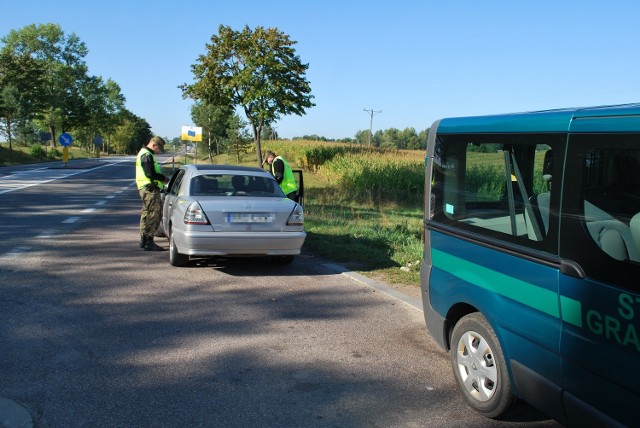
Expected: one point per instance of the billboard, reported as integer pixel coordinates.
(191, 133)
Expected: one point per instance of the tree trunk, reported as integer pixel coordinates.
(9, 133)
(52, 129)
(257, 129)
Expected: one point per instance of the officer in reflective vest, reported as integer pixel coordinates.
(150, 182)
(283, 174)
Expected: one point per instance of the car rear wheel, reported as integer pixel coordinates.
(175, 258)
(479, 366)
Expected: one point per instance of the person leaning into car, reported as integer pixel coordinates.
(150, 181)
(283, 175)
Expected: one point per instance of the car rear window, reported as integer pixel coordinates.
(234, 185)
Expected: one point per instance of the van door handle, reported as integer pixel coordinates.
(571, 268)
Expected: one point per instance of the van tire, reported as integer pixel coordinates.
(479, 366)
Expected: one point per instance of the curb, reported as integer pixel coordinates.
(414, 303)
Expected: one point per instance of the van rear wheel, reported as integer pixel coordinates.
(479, 366)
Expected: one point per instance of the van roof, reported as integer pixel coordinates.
(585, 119)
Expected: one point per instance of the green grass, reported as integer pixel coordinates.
(374, 239)
(23, 154)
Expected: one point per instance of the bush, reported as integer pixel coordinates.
(54, 153)
(37, 151)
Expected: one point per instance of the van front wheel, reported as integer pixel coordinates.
(479, 366)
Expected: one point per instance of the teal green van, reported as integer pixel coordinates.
(531, 273)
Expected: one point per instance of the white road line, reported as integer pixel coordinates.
(47, 234)
(15, 252)
(71, 220)
(23, 179)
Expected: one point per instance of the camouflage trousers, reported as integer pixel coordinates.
(151, 213)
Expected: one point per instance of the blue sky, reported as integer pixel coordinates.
(415, 61)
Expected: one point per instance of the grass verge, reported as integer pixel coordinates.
(378, 241)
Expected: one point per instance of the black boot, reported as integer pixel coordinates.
(152, 246)
(143, 241)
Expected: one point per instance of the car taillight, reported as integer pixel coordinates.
(296, 218)
(195, 215)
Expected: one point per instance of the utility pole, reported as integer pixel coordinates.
(371, 112)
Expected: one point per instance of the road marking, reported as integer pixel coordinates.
(71, 220)
(33, 177)
(15, 252)
(47, 234)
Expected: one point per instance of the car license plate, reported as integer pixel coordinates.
(249, 218)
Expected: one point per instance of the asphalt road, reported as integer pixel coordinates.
(97, 333)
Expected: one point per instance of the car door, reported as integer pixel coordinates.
(298, 176)
(169, 196)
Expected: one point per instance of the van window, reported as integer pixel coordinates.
(499, 186)
(605, 237)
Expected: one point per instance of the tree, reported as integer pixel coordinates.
(20, 96)
(390, 138)
(122, 137)
(269, 133)
(9, 111)
(361, 137)
(409, 139)
(239, 141)
(104, 103)
(422, 138)
(258, 71)
(61, 58)
(214, 120)
(132, 133)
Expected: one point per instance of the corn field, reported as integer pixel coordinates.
(363, 174)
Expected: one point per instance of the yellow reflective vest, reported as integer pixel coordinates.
(141, 179)
(288, 183)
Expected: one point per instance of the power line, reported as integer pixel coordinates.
(371, 112)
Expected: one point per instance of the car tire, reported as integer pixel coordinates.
(175, 258)
(479, 366)
(282, 260)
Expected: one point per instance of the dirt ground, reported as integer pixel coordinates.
(409, 290)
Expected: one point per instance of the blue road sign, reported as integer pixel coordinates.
(97, 140)
(65, 139)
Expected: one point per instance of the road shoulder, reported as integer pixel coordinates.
(405, 293)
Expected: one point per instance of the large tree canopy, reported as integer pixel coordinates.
(43, 76)
(20, 97)
(61, 58)
(257, 70)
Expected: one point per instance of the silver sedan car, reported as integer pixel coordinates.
(226, 210)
